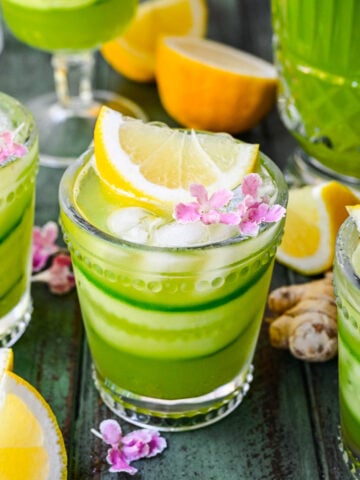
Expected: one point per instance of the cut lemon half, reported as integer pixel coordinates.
(31, 444)
(156, 163)
(207, 85)
(314, 215)
(133, 54)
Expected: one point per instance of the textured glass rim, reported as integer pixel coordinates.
(12, 104)
(346, 241)
(70, 211)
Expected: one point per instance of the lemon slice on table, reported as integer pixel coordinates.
(211, 86)
(46, 5)
(314, 215)
(31, 444)
(154, 162)
(133, 54)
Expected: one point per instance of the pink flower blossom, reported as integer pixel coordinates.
(128, 448)
(59, 276)
(250, 211)
(44, 245)
(207, 210)
(8, 148)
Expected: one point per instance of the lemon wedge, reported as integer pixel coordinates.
(314, 216)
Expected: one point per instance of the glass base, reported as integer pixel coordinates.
(301, 169)
(67, 131)
(14, 324)
(351, 460)
(174, 415)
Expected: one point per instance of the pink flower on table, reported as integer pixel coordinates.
(59, 276)
(8, 148)
(128, 448)
(44, 245)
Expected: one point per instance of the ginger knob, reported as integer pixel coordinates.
(305, 319)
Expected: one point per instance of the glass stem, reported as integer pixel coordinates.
(73, 76)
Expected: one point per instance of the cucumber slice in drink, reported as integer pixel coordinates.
(58, 4)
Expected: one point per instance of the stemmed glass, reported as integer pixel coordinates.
(72, 30)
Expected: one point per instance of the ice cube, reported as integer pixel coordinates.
(134, 224)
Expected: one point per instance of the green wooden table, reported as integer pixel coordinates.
(287, 426)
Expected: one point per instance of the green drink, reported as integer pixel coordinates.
(72, 30)
(316, 45)
(347, 288)
(172, 320)
(17, 188)
(72, 24)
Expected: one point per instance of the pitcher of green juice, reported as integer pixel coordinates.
(316, 49)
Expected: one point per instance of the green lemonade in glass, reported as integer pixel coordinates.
(347, 289)
(72, 30)
(316, 46)
(172, 329)
(70, 24)
(17, 197)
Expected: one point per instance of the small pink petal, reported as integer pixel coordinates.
(275, 213)
(210, 217)
(251, 184)
(231, 218)
(249, 228)
(110, 431)
(118, 462)
(199, 192)
(157, 444)
(220, 198)
(187, 213)
(61, 279)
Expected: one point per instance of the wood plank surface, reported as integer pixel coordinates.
(287, 426)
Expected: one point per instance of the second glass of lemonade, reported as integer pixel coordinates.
(172, 329)
(347, 289)
(18, 168)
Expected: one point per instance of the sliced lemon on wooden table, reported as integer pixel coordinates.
(155, 162)
(31, 444)
(314, 215)
(133, 54)
(211, 86)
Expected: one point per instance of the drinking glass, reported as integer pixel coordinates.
(347, 289)
(71, 30)
(17, 198)
(316, 49)
(172, 331)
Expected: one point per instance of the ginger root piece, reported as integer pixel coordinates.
(306, 319)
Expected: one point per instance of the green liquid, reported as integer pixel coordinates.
(168, 323)
(79, 28)
(17, 197)
(348, 300)
(317, 52)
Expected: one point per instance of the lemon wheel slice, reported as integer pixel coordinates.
(314, 215)
(31, 444)
(158, 163)
(133, 54)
